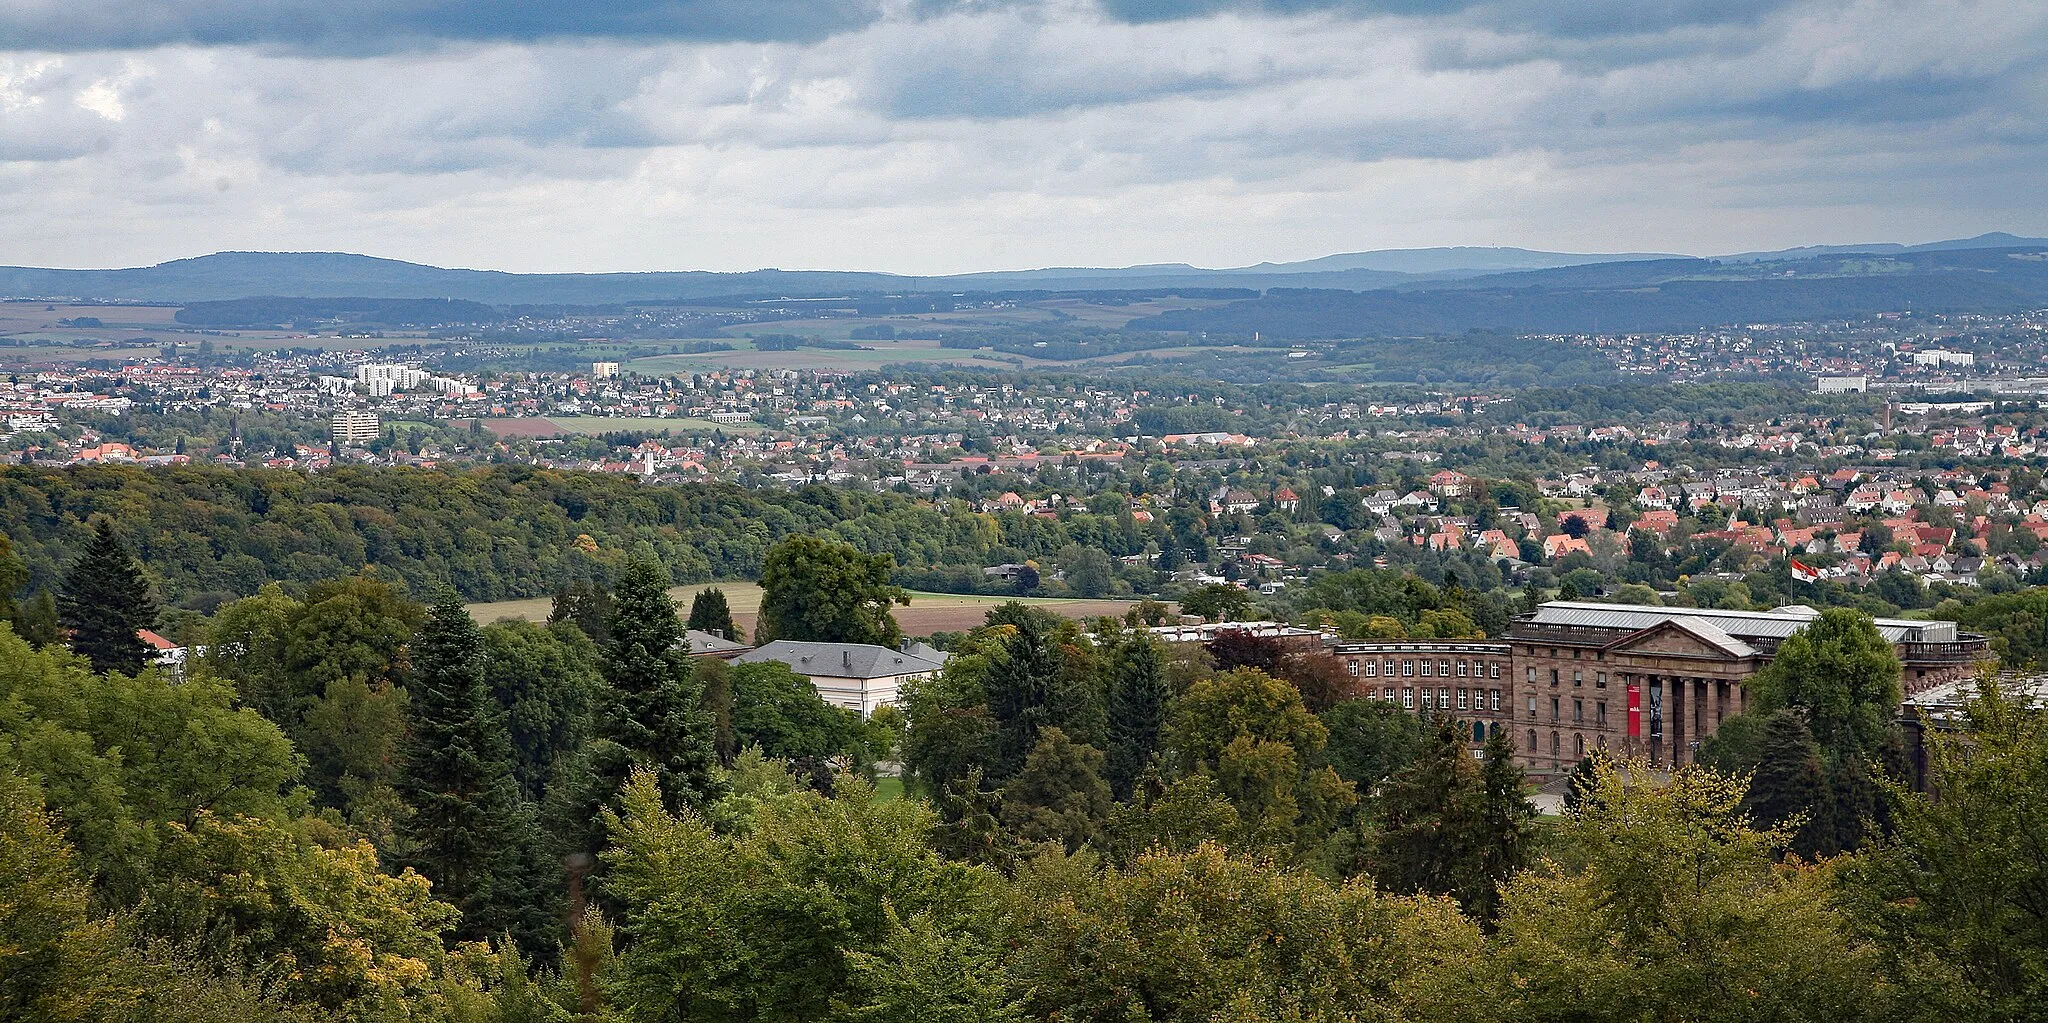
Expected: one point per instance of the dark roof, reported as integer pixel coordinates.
(839, 660)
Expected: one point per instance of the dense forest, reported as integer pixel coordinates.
(208, 535)
(357, 808)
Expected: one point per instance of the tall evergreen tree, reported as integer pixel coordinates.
(468, 831)
(1507, 824)
(1137, 711)
(1024, 686)
(1790, 784)
(1059, 796)
(710, 612)
(654, 711)
(586, 605)
(1431, 817)
(105, 601)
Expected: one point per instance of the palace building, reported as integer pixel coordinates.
(1640, 680)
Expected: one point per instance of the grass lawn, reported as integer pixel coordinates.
(927, 613)
(888, 790)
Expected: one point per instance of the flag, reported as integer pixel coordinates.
(1804, 573)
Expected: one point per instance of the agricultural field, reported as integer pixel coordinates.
(535, 426)
(873, 355)
(927, 613)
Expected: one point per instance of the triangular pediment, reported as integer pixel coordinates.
(1681, 638)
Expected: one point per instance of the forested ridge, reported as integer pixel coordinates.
(208, 534)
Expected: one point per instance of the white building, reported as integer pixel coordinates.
(604, 370)
(1842, 385)
(1938, 357)
(856, 676)
(355, 427)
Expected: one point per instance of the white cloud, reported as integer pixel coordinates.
(1044, 134)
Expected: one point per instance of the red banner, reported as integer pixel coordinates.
(1635, 711)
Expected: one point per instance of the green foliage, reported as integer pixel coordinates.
(1217, 602)
(1060, 795)
(1955, 899)
(468, 829)
(1789, 789)
(781, 712)
(1251, 733)
(650, 716)
(824, 591)
(1201, 936)
(1679, 913)
(1035, 678)
(1138, 696)
(710, 612)
(1842, 675)
(104, 601)
(1370, 740)
(760, 924)
(1450, 825)
(546, 681)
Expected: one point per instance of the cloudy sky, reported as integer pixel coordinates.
(942, 135)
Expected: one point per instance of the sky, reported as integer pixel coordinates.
(935, 136)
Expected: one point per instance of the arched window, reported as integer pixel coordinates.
(1580, 742)
(1532, 742)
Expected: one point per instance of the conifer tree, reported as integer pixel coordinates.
(1024, 694)
(710, 612)
(1507, 829)
(468, 831)
(37, 622)
(1790, 784)
(1137, 711)
(654, 712)
(587, 606)
(1430, 814)
(105, 601)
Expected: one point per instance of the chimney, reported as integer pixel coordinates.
(846, 658)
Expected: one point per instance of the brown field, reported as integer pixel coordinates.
(532, 426)
(927, 613)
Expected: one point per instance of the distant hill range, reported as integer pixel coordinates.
(1394, 291)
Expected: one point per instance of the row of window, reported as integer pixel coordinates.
(1440, 699)
(1578, 709)
(1429, 669)
(1578, 678)
(1578, 742)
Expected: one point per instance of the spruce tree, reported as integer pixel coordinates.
(654, 712)
(1429, 819)
(1507, 828)
(1790, 784)
(469, 832)
(105, 601)
(1137, 711)
(1024, 694)
(709, 612)
(587, 606)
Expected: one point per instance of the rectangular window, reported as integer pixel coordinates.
(1425, 670)
(1461, 669)
(1372, 669)
(1554, 703)
(1390, 667)
(1407, 669)
(1354, 669)
(1553, 677)
(1600, 712)
(1532, 676)
(1387, 694)
(1578, 678)
(1493, 699)
(1408, 699)
(1578, 710)
(1600, 680)
(1532, 706)
(1443, 669)
(1493, 670)
(1462, 705)
(1443, 699)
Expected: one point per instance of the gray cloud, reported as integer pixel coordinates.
(970, 135)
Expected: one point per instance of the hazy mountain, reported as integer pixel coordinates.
(1993, 240)
(225, 275)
